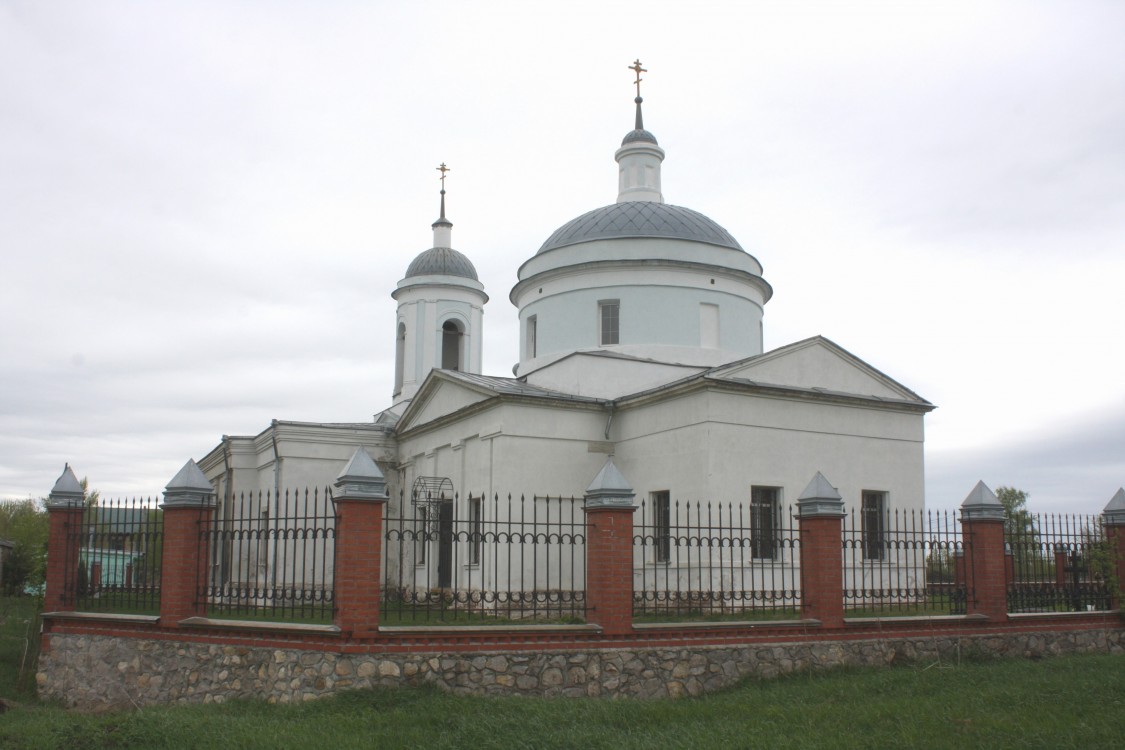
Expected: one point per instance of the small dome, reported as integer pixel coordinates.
(442, 261)
(638, 135)
(640, 219)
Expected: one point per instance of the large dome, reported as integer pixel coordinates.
(442, 261)
(640, 219)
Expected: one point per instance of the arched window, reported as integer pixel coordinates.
(400, 357)
(451, 335)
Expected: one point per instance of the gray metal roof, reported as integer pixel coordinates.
(640, 219)
(442, 261)
(638, 135)
(514, 387)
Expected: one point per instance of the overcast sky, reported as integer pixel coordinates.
(204, 206)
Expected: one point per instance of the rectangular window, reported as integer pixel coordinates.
(765, 519)
(662, 525)
(475, 540)
(609, 322)
(532, 335)
(708, 326)
(874, 513)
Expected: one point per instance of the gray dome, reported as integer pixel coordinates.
(638, 135)
(442, 261)
(640, 219)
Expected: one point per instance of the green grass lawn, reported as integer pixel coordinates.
(1066, 702)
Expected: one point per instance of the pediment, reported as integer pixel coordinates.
(817, 364)
(440, 396)
(606, 377)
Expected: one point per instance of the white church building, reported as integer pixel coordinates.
(641, 340)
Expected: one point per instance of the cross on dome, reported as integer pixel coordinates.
(636, 68)
(443, 169)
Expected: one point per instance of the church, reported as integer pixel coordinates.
(641, 348)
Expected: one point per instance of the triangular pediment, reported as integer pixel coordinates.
(607, 376)
(820, 365)
(440, 396)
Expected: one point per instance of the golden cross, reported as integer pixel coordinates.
(636, 68)
(443, 169)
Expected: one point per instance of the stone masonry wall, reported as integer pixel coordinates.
(95, 672)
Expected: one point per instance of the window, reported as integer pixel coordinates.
(451, 345)
(765, 518)
(609, 322)
(532, 334)
(708, 326)
(873, 513)
(662, 525)
(400, 357)
(475, 508)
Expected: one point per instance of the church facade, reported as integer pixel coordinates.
(641, 343)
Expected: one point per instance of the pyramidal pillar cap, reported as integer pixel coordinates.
(981, 504)
(820, 500)
(610, 489)
(361, 479)
(1114, 513)
(189, 489)
(67, 492)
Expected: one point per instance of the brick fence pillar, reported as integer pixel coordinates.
(1113, 518)
(360, 499)
(821, 511)
(982, 531)
(64, 509)
(189, 507)
(609, 551)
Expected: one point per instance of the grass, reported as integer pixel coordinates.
(1065, 702)
(19, 645)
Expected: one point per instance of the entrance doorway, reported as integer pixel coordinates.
(445, 545)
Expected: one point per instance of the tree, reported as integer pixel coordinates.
(25, 523)
(1019, 522)
(1021, 531)
(90, 496)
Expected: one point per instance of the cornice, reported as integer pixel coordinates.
(584, 267)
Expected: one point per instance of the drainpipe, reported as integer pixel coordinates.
(228, 477)
(226, 511)
(276, 462)
(276, 495)
(609, 420)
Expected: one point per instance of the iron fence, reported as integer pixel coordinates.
(473, 559)
(119, 547)
(904, 563)
(270, 556)
(714, 560)
(1057, 563)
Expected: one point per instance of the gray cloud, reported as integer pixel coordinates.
(204, 207)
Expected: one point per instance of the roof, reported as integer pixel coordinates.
(514, 387)
(442, 261)
(639, 134)
(489, 389)
(640, 219)
(722, 374)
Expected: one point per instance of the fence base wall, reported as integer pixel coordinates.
(91, 671)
